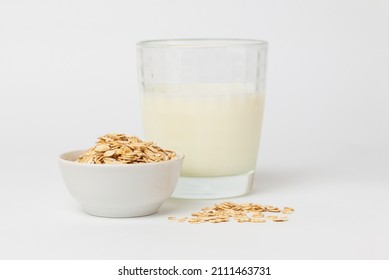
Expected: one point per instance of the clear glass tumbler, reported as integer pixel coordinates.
(205, 98)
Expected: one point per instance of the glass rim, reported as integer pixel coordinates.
(200, 43)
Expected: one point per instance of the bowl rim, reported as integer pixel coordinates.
(61, 159)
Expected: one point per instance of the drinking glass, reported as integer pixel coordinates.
(205, 98)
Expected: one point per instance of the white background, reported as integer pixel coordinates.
(68, 75)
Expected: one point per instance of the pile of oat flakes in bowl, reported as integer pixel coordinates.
(124, 149)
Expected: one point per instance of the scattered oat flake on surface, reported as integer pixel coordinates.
(288, 210)
(258, 220)
(271, 217)
(273, 209)
(240, 213)
(258, 215)
(182, 220)
(280, 219)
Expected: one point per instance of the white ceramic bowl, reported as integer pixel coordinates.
(120, 190)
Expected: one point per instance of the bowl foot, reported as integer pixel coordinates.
(111, 212)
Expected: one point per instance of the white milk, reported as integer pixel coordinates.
(216, 126)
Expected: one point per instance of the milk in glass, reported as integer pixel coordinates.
(216, 126)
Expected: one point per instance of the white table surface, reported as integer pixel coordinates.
(68, 75)
(339, 215)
